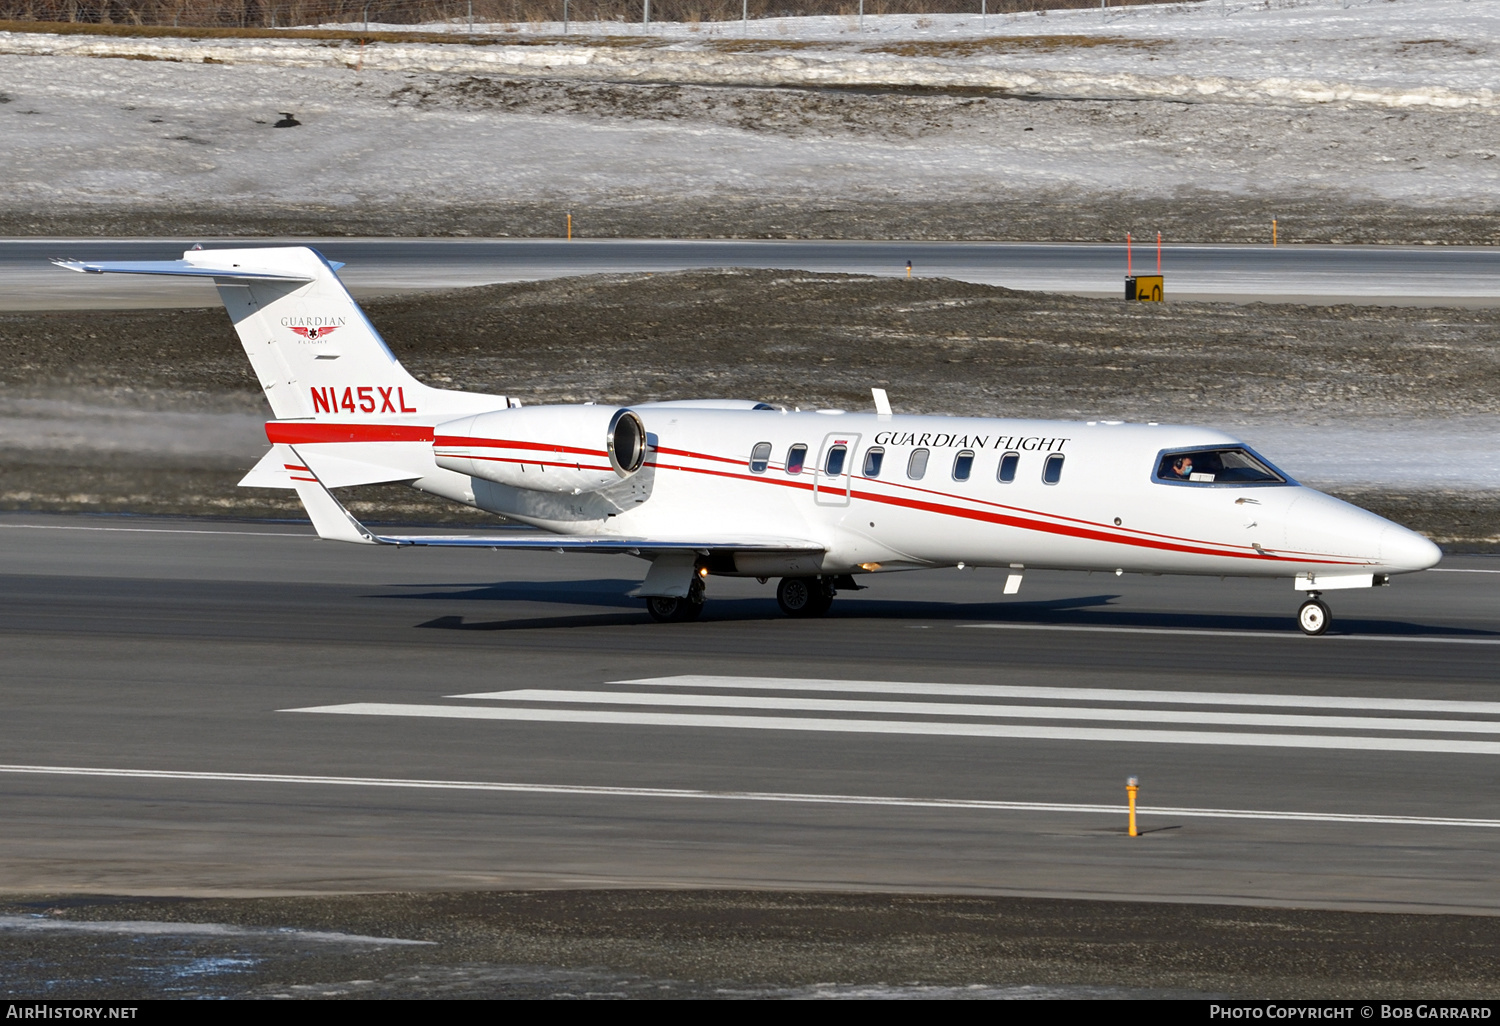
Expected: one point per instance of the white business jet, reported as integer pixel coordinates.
(744, 489)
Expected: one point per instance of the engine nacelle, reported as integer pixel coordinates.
(569, 449)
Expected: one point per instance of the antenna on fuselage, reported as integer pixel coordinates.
(882, 402)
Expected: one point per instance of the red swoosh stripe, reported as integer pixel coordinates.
(293, 432)
(1028, 524)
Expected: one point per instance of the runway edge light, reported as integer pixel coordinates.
(1132, 785)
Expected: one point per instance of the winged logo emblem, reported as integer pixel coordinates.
(313, 334)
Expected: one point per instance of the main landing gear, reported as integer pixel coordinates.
(678, 610)
(1313, 617)
(805, 596)
(802, 597)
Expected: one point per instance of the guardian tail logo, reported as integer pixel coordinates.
(313, 334)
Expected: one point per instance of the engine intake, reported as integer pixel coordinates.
(568, 449)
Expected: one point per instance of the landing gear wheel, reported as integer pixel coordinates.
(1313, 617)
(804, 596)
(678, 610)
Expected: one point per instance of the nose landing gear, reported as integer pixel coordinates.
(1313, 617)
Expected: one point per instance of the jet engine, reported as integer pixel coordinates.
(568, 449)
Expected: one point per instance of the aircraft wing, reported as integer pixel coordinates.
(335, 523)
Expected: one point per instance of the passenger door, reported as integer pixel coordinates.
(831, 477)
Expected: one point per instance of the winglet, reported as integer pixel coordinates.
(331, 520)
(882, 402)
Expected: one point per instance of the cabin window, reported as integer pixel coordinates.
(796, 456)
(916, 467)
(1052, 469)
(834, 465)
(963, 465)
(1008, 464)
(760, 457)
(873, 460)
(1216, 466)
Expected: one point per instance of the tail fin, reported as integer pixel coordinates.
(311, 347)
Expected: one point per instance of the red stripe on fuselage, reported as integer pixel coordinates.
(507, 443)
(524, 463)
(301, 432)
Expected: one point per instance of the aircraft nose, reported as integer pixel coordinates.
(1401, 549)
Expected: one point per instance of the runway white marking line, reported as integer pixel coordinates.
(745, 796)
(1029, 712)
(851, 726)
(887, 687)
(1420, 639)
(152, 530)
(1458, 570)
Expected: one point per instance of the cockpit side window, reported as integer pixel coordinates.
(1227, 465)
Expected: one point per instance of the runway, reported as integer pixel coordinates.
(200, 707)
(1410, 275)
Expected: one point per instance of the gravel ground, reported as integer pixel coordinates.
(938, 346)
(731, 944)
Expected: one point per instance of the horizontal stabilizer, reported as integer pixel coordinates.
(180, 268)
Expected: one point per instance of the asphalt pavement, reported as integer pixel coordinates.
(195, 707)
(1410, 275)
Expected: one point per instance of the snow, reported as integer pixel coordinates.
(1386, 100)
(1389, 53)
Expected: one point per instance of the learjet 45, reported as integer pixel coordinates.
(726, 487)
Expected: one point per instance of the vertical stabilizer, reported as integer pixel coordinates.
(310, 345)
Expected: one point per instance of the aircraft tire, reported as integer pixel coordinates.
(1313, 617)
(678, 610)
(803, 597)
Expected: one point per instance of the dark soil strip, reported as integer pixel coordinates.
(1022, 217)
(730, 943)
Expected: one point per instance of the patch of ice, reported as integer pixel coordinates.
(149, 928)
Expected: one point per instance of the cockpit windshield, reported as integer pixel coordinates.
(1216, 466)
